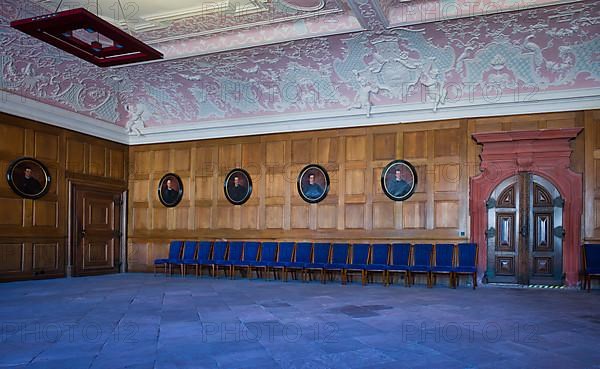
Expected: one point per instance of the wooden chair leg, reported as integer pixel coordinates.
(474, 280)
(589, 283)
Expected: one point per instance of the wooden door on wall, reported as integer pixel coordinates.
(525, 232)
(96, 226)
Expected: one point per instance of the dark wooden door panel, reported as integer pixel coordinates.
(98, 231)
(523, 247)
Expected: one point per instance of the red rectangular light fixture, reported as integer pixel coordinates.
(87, 36)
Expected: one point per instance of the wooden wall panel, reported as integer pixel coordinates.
(46, 256)
(415, 145)
(591, 121)
(414, 214)
(443, 153)
(13, 217)
(34, 233)
(143, 162)
(300, 217)
(45, 214)
(354, 216)
(327, 216)
(384, 146)
(203, 217)
(97, 160)
(12, 257)
(46, 146)
(301, 150)
(12, 140)
(182, 159)
(76, 156)
(161, 161)
(117, 164)
(383, 215)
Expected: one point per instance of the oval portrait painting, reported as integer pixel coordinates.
(399, 180)
(29, 178)
(313, 183)
(170, 190)
(238, 186)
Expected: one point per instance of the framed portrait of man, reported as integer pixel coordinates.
(399, 180)
(170, 190)
(238, 186)
(29, 178)
(313, 183)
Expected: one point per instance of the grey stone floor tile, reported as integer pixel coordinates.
(144, 321)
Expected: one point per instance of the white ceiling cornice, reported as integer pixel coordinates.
(546, 103)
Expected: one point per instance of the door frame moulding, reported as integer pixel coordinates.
(546, 153)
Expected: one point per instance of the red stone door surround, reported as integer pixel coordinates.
(544, 152)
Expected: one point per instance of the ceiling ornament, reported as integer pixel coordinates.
(304, 5)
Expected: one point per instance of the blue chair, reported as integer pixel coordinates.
(467, 262)
(444, 262)
(400, 261)
(380, 254)
(285, 257)
(234, 257)
(358, 261)
(320, 257)
(339, 261)
(249, 257)
(219, 255)
(203, 256)
(268, 257)
(174, 256)
(302, 253)
(591, 264)
(421, 261)
(188, 257)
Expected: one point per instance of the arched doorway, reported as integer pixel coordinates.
(545, 153)
(525, 232)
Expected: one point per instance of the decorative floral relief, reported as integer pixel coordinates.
(432, 65)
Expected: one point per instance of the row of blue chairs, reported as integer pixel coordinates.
(325, 258)
(591, 264)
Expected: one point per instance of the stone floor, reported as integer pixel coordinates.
(143, 321)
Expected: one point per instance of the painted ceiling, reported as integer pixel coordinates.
(306, 64)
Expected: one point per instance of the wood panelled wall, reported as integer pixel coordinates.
(592, 180)
(355, 209)
(34, 233)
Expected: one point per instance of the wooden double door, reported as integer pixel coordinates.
(525, 233)
(96, 235)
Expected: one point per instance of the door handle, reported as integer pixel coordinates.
(82, 233)
(524, 230)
